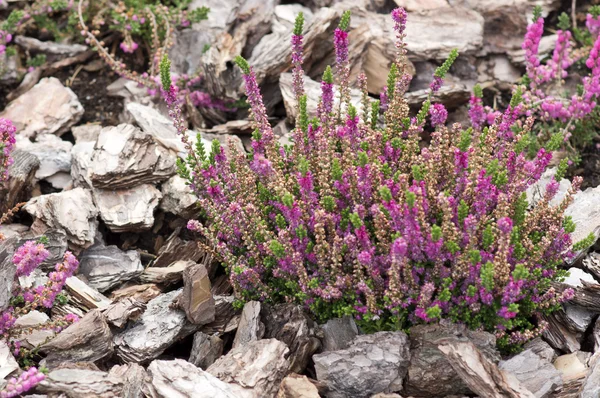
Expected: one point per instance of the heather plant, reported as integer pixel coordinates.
(362, 216)
(566, 113)
(26, 259)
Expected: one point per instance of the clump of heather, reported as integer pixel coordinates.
(362, 216)
(564, 117)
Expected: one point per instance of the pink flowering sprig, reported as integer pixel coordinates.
(7, 144)
(371, 220)
(560, 114)
(25, 382)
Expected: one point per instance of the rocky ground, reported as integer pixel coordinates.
(95, 164)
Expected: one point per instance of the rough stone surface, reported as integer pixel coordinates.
(125, 210)
(53, 153)
(296, 386)
(123, 310)
(177, 198)
(371, 364)
(196, 299)
(71, 211)
(181, 379)
(21, 181)
(48, 108)
(134, 377)
(429, 373)
(124, 156)
(534, 372)
(158, 328)
(572, 366)
(288, 323)
(107, 266)
(258, 366)
(82, 383)
(34, 319)
(89, 339)
(338, 333)
(205, 350)
(250, 327)
(8, 364)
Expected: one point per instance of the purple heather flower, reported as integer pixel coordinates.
(29, 256)
(436, 84)
(505, 225)
(439, 114)
(25, 382)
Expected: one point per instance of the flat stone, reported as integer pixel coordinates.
(181, 379)
(534, 372)
(8, 364)
(34, 319)
(53, 153)
(81, 157)
(82, 383)
(119, 313)
(126, 210)
(107, 266)
(71, 211)
(88, 339)
(371, 364)
(47, 108)
(250, 327)
(124, 156)
(158, 328)
(168, 275)
(134, 377)
(258, 366)
(572, 366)
(576, 275)
(86, 133)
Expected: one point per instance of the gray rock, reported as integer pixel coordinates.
(21, 182)
(74, 382)
(250, 327)
(158, 328)
(296, 386)
(71, 211)
(591, 385)
(258, 366)
(541, 348)
(48, 108)
(429, 373)
(34, 319)
(572, 366)
(131, 209)
(576, 275)
(81, 156)
(586, 214)
(580, 317)
(124, 157)
(177, 197)
(290, 324)
(86, 133)
(107, 266)
(338, 333)
(181, 379)
(53, 153)
(534, 372)
(285, 16)
(372, 364)
(205, 350)
(134, 376)
(433, 34)
(88, 339)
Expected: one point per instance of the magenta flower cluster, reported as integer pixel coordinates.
(362, 216)
(25, 382)
(7, 144)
